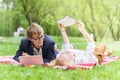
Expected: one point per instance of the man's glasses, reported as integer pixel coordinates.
(39, 38)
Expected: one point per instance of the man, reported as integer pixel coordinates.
(36, 43)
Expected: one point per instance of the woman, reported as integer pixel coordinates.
(68, 56)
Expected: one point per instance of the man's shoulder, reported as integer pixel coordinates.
(25, 39)
(25, 43)
(48, 41)
(47, 38)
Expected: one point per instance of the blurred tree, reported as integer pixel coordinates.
(101, 17)
(114, 22)
(7, 17)
(40, 11)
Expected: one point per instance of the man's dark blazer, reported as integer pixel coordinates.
(48, 50)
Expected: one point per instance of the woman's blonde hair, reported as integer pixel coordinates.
(34, 28)
(60, 62)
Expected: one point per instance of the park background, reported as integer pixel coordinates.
(101, 18)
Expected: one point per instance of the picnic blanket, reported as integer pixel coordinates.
(10, 60)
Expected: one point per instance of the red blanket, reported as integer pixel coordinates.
(10, 60)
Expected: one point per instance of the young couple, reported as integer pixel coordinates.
(38, 43)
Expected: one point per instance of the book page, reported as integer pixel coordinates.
(66, 21)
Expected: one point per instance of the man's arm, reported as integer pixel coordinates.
(18, 53)
(24, 49)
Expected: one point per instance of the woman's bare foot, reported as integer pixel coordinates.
(119, 57)
(108, 52)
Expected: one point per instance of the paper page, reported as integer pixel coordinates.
(66, 21)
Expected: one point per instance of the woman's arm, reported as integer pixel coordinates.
(80, 26)
(64, 34)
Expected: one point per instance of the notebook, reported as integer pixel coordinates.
(66, 21)
(31, 60)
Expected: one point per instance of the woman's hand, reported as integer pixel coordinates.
(64, 34)
(86, 35)
(80, 25)
(61, 27)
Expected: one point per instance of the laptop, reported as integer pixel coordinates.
(31, 60)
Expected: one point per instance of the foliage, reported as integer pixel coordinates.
(101, 17)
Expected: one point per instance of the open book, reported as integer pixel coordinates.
(66, 21)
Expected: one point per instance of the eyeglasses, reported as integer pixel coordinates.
(39, 38)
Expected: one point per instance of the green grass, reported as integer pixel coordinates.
(9, 45)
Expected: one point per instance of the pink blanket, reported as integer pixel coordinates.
(10, 60)
(90, 65)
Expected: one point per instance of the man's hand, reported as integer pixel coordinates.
(25, 54)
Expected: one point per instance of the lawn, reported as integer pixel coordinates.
(9, 45)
